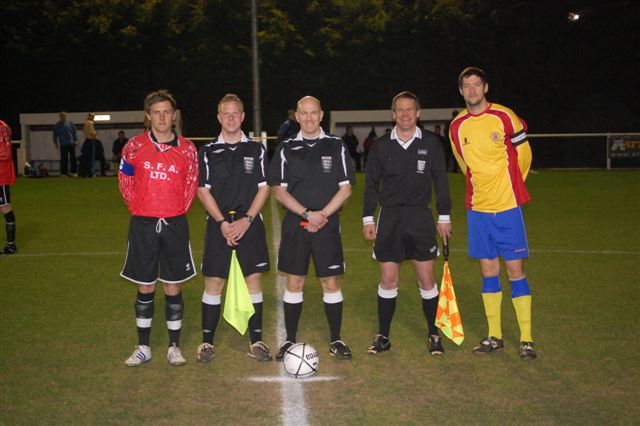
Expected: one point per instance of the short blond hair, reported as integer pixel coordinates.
(230, 97)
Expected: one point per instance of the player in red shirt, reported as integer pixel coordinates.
(158, 178)
(7, 178)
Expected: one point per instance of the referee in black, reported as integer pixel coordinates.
(311, 175)
(233, 188)
(402, 168)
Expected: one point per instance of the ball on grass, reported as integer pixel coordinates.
(301, 360)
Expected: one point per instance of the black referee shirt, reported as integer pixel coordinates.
(312, 170)
(398, 177)
(232, 173)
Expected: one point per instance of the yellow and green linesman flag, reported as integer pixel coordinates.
(238, 307)
(448, 316)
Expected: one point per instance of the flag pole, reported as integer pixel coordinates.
(448, 316)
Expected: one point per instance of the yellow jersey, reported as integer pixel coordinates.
(494, 154)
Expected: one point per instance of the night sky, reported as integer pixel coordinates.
(558, 74)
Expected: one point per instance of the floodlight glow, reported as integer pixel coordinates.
(573, 16)
(102, 117)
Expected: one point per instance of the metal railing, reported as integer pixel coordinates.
(583, 150)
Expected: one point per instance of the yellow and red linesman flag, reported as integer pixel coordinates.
(448, 316)
(238, 307)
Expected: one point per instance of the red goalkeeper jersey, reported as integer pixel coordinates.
(7, 172)
(158, 179)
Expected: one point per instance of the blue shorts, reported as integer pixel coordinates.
(497, 234)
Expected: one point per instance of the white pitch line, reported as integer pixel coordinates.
(561, 251)
(87, 253)
(286, 379)
(294, 409)
(346, 249)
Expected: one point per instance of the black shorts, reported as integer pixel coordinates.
(252, 251)
(158, 249)
(405, 233)
(5, 195)
(297, 245)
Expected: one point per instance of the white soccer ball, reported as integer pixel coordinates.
(301, 360)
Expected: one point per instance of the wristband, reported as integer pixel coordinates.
(305, 214)
(219, 222)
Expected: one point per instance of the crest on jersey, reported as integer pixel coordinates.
(248, 164)
(326, 163)
(421, 166)
(496, 137)
(422, 152)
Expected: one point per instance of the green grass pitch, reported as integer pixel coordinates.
(67, 322)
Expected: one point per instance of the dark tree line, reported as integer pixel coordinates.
(80, 55)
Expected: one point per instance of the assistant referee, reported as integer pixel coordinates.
(402, 167)
(233, 188)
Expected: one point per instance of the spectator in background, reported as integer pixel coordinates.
(452, 164)
(118, 144)
(65, 140)
(289, 128)
(446, 147)
(42, 170)
(89, 128)
(7, 178)
(91, 151)
(371, 138)
(351, 140)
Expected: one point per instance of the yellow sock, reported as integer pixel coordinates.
(522, 305)
(492, 303)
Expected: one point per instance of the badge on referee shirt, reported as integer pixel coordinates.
(422, 164)
(326, 164)
(248, 164)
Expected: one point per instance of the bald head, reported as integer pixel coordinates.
(309, 99)
(309, 115)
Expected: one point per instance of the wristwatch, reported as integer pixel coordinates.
(219, 222)
(250, 218)
(305, 214)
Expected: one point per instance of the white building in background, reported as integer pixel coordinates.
(381, 119)
(37, 134)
